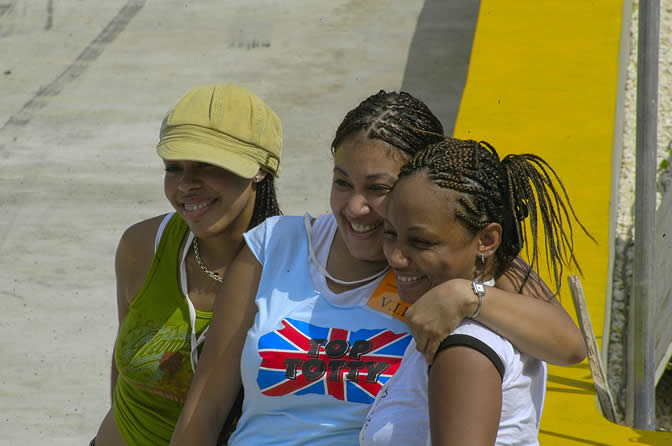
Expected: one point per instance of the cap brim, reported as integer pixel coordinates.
(204, 153)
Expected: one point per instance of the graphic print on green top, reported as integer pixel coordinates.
(153, 347)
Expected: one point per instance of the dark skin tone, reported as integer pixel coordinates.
(426, 245)
(359, 190)
(225, 205)
(365, 171)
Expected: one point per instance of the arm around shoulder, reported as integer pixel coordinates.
(533, 320)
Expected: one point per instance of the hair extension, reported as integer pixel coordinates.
(266, 202)
(399, 119)
(505, 192)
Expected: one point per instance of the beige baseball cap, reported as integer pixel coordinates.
(224, 125)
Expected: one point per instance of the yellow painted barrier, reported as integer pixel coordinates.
(543, 78)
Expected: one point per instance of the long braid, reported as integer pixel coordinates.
(554, 209)
(397, 118)
(505, 192)
(266, 203)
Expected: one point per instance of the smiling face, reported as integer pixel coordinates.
(424, 243)
(210, 199)
(364, 172)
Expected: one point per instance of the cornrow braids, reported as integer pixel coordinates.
(397, 118)
(266, 202)
(505, 192)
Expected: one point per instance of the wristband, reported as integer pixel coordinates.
(479, 290)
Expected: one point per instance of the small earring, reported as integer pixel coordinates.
(483, 258)
(257, 178)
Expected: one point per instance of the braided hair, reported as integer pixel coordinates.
(397, 118)
(266, 202)
(504, 192)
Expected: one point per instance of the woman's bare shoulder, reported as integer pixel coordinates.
(135, 253)
(138, 239)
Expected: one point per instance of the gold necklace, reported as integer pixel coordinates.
(213, 275)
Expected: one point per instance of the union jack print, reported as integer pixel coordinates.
(301, 358)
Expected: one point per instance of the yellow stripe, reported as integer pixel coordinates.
(543, 79)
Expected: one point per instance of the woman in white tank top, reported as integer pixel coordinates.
(457, 214)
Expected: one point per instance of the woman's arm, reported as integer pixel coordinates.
(544, 331)
(217, 379)
(132, 261)
(465, 398)
(534, 321)
(121, 262)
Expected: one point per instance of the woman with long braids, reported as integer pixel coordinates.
(221, 148)
(458, 214)
(307, 320)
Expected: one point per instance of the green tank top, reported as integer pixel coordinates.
(153, 347)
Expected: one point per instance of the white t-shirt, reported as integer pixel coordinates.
(400, 413)
(314, 360)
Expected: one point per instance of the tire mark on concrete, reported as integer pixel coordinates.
(77, 67)
(50, 15)
(5, 8)
(7, 18)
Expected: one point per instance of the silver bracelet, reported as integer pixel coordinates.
(479, 290)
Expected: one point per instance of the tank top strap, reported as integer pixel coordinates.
(159, 232)
(166, 259)
(169, 237)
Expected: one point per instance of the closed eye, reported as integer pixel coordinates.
(380, 188)
(421, 243)
(341, 183)
(172, 168)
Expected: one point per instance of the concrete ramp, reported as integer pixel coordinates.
(84, 87)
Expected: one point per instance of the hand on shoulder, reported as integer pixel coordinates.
(436, 314)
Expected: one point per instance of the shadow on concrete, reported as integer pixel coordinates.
(438, 59)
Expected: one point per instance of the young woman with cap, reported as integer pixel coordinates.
(321, 345)
(468, 227)
(221, 148)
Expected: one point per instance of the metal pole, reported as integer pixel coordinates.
(641, 390)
